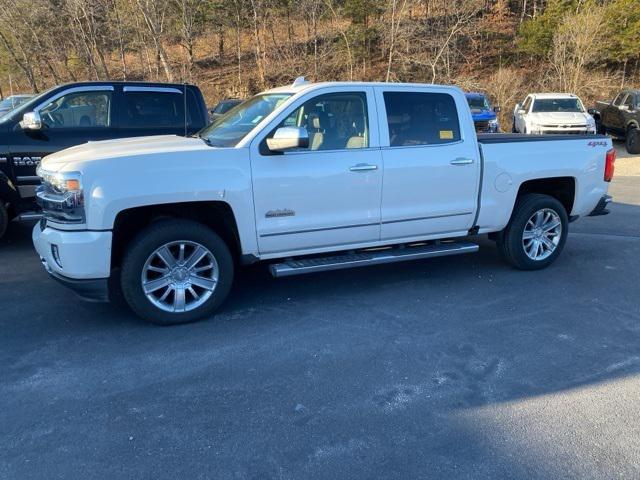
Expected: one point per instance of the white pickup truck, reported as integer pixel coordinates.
(309, 177)
(552, 113)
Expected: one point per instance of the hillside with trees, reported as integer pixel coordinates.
(239, 47)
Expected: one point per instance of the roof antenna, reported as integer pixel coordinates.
(299, 81)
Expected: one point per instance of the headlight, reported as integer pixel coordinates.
(494, 124)
(61, 196)
(534, 128)
(591, 125)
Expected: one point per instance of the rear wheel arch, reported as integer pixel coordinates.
(216, 215)
(561, 188)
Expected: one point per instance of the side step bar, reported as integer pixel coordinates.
(364, 258)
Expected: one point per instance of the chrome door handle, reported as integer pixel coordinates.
(462, 161)
(363, 167)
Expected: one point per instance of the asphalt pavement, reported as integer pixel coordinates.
(446, 368)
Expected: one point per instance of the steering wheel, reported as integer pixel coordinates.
(56, 119)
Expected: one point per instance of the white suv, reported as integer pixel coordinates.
(542, 113)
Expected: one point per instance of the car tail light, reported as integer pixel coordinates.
(609, 165)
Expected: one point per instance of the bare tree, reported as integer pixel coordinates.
(154, 13)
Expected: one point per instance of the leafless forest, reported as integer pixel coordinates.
(238, 47)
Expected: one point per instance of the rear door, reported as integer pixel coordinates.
(431, 163)
(71, 117)
(328, 195)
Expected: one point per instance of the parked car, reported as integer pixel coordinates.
(76, 113)
(294, 176)
(621, 118)
(12, 102)
(223, 107)
(544, 113)
(484, 115)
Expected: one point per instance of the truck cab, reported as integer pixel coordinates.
(621, 118)
(306, 178)
(76, 113)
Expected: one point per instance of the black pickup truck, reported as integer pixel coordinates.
(76, 113)
(621, 118)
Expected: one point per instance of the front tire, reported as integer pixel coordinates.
(536, 233)
(176, 271)
(4, 218)
(632, 142)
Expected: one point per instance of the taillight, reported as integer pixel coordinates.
(609, 165)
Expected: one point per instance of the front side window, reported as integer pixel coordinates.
(557, 105)
(527, 104)
(421, 118)
(334, 121)
(153, 109)
(618, 100)
(78, 110)
(233, 126)
(629, 102)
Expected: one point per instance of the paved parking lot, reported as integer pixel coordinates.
(447, 368)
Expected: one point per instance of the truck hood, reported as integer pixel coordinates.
(123, 147)
(482, 115)
(560, 118)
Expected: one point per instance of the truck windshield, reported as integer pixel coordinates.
(478, 103)
(557, 105)
(233, 126)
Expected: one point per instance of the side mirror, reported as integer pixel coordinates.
(286, 138)
(592, 111)
(496, 109)
(31, 121)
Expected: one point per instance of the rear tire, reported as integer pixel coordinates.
(536, 233)
(4, 218)
(164, 284)
(632, 142)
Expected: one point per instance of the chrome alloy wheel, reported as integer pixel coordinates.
(180, 276)
(542, 234)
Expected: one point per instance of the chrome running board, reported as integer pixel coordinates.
(363, 258)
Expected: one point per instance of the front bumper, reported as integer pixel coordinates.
(601, 208)
(563, 130)
(80, 260)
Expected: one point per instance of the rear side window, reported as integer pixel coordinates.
(153, 109)
(416, 118)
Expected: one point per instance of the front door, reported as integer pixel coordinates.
(72, 117)
(325, 196)
(431, 162)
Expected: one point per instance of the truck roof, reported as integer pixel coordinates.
(125, 82)
(553, 95)
(293, 89)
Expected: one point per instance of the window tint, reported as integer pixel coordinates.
(333, 121)
(557, 105)
(153, 109)
(421, 118)
(78, 110)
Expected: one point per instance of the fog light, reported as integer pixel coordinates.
(56, 254)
